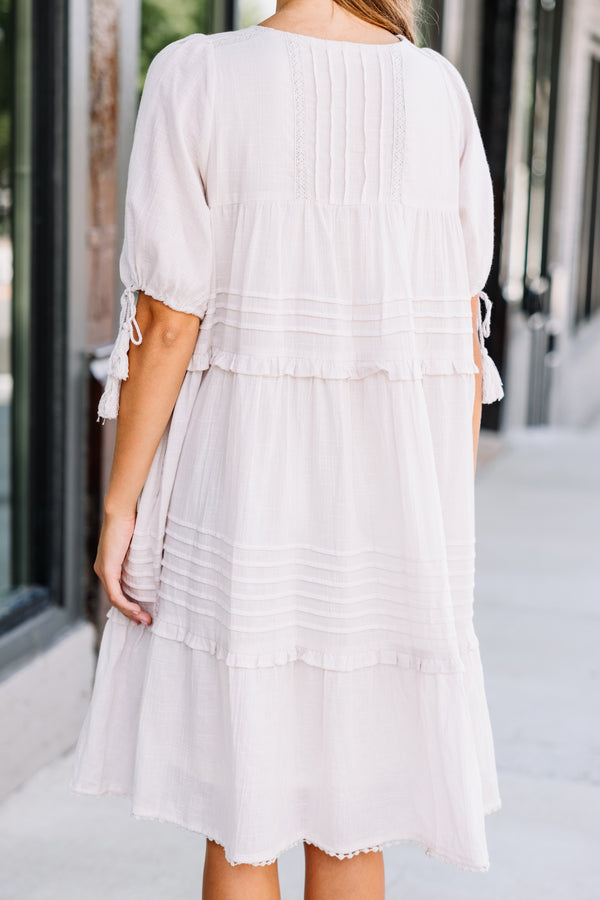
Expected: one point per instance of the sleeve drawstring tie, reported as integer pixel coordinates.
(490, 377)
(118, 363)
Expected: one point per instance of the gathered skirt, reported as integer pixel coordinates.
(305, 547)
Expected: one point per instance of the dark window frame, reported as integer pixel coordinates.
(36, 607)
(588, 282)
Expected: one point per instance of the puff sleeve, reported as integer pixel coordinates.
(167, 248)
(476, 210)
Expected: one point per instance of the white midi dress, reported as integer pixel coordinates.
(304, 540)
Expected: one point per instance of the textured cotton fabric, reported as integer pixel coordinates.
(305, 538)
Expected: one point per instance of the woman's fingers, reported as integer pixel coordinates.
(116, 597)
(115, 538)
(129, 608)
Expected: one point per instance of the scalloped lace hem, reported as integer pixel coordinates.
(374, 847)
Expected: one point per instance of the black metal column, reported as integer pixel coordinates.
(496, 67)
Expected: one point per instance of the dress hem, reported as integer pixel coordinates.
(372, 846)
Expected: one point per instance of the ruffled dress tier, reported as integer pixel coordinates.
(305, 538)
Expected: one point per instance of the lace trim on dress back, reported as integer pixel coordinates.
(399, 138)
(299, 113)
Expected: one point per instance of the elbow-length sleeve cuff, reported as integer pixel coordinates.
(168, 248)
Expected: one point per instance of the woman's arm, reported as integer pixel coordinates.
(157, 368)
(477, 406)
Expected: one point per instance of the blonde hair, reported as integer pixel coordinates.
(397, 16)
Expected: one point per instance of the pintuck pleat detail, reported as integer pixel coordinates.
(328, 595)
(338, 612)
(348, 105)
(300, 306)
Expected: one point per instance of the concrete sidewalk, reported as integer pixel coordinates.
(538, 621)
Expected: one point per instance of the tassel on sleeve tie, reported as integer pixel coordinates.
(118, 363)
(490, 377)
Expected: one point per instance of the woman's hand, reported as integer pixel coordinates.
(115, 537)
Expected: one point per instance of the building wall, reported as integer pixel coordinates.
(575, 397)
(103, 167)
(565, 376)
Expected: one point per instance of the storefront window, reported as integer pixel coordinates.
(33, 324)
